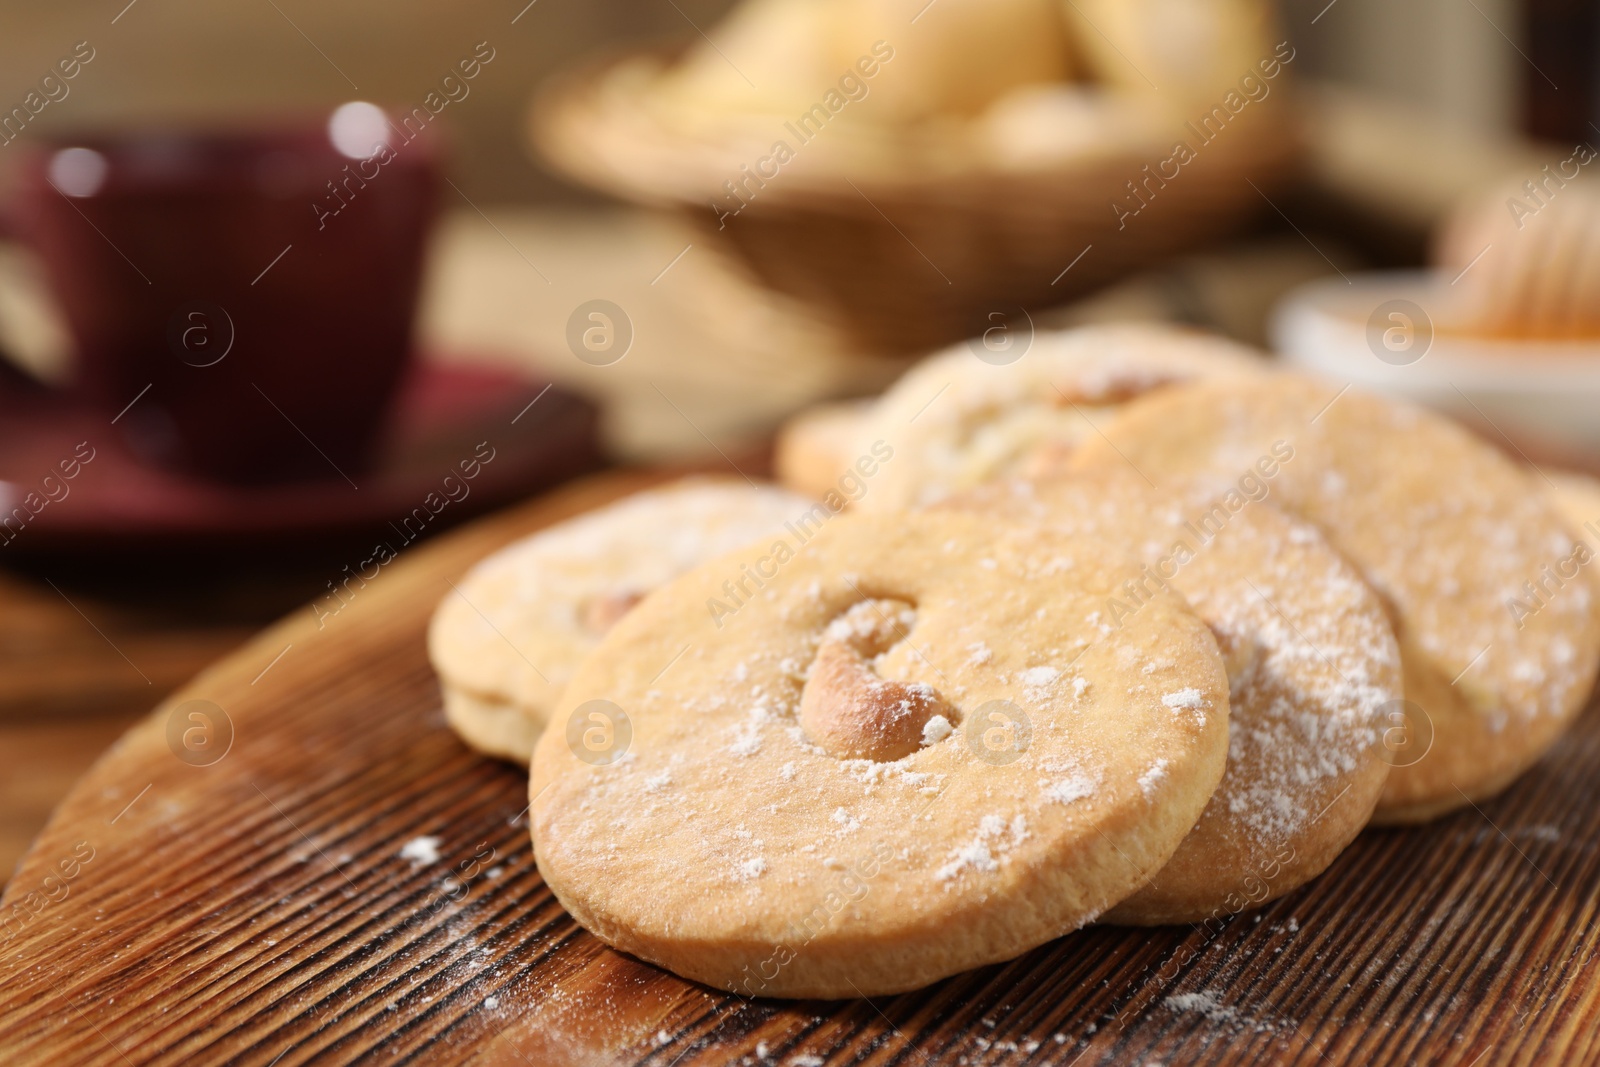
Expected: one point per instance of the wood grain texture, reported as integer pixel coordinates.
(258, 910)
(86, 647)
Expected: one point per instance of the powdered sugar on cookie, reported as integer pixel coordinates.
(989, 848)
(1310, 657)
(731, 822)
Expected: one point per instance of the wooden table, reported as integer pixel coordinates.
(82, 658)
(259, 907)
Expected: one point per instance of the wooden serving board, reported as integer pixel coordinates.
(256, 908)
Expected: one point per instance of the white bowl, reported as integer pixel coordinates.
(1547, 392)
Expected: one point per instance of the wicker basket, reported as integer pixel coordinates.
(909, 251)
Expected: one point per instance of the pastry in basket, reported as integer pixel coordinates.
(779, 57)
(1498, 637)
(956, 421)
(1178, 51)
(956, 59)
(1312, 666)
(908, 168)
(507, 639)
(765, 57)
(914, 752)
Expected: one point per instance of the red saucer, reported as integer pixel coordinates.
(462, 440)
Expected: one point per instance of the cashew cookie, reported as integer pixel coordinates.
(956, 421)
(917, 749)
(506, 639)
(813, 447)
(1498, 637)
(1312, 668)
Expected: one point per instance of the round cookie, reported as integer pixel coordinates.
(956, 421)
(1312, 666)
(915, 751)
(813, 447)
(506, 640)
(493, 726)
(1452, 536)
(1577, 497)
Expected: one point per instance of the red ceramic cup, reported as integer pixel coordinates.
(241, 303)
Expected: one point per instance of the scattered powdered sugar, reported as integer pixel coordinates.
(1183, 698)
(871, 772)
(848, 625)
(752, 865)
(1039, 677)
(935, 730)
(847, 823)
(747, 735)
(1073, 787)
(1316, 662)
(491, 1003)
(1189, 700)
(1204, 1003)
(980, 654)
(975, 855)
(421, 850)
(1152, 777)
(657, 782)
(787, 771)
(988, 848)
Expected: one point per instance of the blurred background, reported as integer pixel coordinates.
(578, 269)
